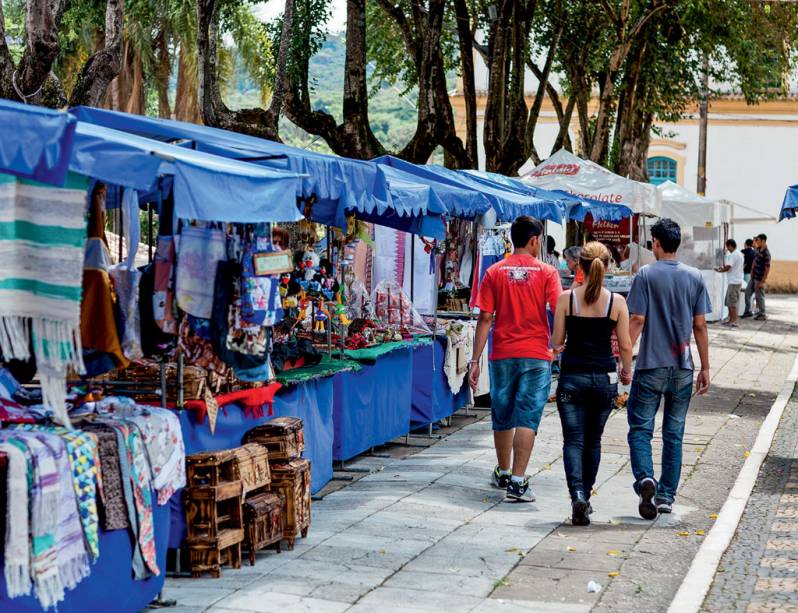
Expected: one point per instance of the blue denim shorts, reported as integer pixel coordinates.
(519, 390)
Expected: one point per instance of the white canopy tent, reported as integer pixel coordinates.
(570, 173)
(704, 231)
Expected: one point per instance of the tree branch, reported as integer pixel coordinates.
(398, 15)
(282, 60)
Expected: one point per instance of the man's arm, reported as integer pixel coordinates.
(636, 325)
(702, 342)
(480, 340)
(725, 268)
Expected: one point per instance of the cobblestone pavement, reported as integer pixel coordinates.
(759, 571)
(426, 531)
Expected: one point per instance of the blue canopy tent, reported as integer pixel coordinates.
(789, 206)
(576, 207)
(506, 202)
(41, 145)
(207, 187)
(332, 185)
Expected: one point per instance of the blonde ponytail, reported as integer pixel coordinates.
(594, 260)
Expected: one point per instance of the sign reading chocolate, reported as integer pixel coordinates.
(556, 169)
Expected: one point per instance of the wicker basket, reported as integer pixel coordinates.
(195, 379)
(252, 466)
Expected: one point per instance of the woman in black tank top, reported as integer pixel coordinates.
(584, 323)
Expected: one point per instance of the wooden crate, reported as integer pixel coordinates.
(292, 480)
(263, 522)
(209, 555)
(282, 436)
(211, 468)
(252, 467)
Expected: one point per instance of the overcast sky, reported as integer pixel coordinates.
(273, 8)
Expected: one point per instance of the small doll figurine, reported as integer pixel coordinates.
(321, 316)
(340, 313)
(303, 307)
(310, 262)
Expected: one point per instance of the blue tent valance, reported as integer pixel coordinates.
(36, 142)
(789, 206)
(206, 187)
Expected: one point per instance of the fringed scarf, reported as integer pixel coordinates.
(43, 231)
(17, 550)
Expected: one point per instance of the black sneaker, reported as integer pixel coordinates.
(646, 490)
(520, 492)
(663, 506)
(746, 315)
(498, 480)
(760, 317)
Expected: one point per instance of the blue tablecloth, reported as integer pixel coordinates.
(110, 587)
(311, 401)
(433, 399)
(372, 407)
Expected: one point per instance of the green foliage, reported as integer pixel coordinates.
(14, 12)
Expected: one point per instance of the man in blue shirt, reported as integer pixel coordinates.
(667, 304)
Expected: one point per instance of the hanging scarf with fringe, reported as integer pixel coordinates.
(17, 550)
(42, 237)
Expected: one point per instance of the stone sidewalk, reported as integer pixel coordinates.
(427, 532)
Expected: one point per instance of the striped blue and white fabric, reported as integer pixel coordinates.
(42, 238)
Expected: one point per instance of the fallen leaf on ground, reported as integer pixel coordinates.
(613, 552)
(683, 533)
(615, 522)
(613, 573)
(699, 532)
(746, 454)
(570, 549)
(713, 516)
(381, 552)
(547, 467)
(512, 550)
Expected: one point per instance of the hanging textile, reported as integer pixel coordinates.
(459, 347)
(199, 252)
(113, 512)
(389, 258)
(42, 236)
(126, 279)
(16, 564)
(98, 326)
(422, 273)
(163, 297)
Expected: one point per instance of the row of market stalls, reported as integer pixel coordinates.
(278, 283)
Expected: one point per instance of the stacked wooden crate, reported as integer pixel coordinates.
(214, 497)
(290, 473)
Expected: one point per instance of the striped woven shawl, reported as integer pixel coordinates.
(42, 237)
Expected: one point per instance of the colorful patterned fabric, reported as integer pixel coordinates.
(199, 251)
(113, 512)
(81, 450)
(43, 232)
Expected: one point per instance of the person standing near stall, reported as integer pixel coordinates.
(513, 298)
(733, 265)
(748, 260)
(571, 255)
(759, 277)
(668, 303)
(584, 322)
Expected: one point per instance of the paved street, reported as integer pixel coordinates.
(426, 531)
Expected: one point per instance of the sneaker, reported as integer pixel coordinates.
(731, 324)
(760, 317)
(646, 490)
(520, 492)
(663, 506)
(499, 480)
(746, 315)
(589, 509)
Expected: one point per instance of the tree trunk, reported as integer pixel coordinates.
(186, 96)
(466, 43)
(255, 121)
(136, 102)
(276, 105)
(102, 67)
(494, 123)
(163, 70)
(6, 62)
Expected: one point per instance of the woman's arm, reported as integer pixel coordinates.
(558, 336)
(624, 339)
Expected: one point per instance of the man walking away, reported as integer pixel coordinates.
(759, 277)
(748, 255)
(513, 297)
(734, 262)
(667, 303)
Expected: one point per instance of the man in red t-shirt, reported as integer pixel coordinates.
(513, 297)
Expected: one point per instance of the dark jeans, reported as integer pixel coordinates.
(759, 294)
(584, 402)
(649, 388)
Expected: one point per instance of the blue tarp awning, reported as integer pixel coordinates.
(789, 206)
(337, 185)
(207, 187)
(507, 203)
(35, 142)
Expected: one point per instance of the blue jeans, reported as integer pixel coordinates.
(649, 387)
(584, 402)
(519, 390)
